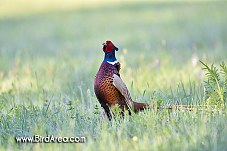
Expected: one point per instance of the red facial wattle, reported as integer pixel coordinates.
(109, 46)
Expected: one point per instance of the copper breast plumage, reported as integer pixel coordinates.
(105, 91)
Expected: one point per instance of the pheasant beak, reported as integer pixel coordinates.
(116, 48)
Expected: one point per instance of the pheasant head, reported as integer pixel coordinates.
(109, 49)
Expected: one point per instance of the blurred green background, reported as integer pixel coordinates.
(53, 49)
(64, 37)
(62, 40)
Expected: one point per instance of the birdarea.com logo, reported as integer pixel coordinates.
(50, 139)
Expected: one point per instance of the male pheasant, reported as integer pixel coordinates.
(109, 87)
(111, 90)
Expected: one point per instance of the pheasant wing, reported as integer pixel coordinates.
(120, 85)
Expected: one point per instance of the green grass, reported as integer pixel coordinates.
(49, 57)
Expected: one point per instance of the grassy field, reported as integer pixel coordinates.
(49, 55)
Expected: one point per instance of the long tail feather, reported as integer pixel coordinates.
(192, 107)
(142, 106)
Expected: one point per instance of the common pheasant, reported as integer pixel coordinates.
(109, 87)
(111, 90)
